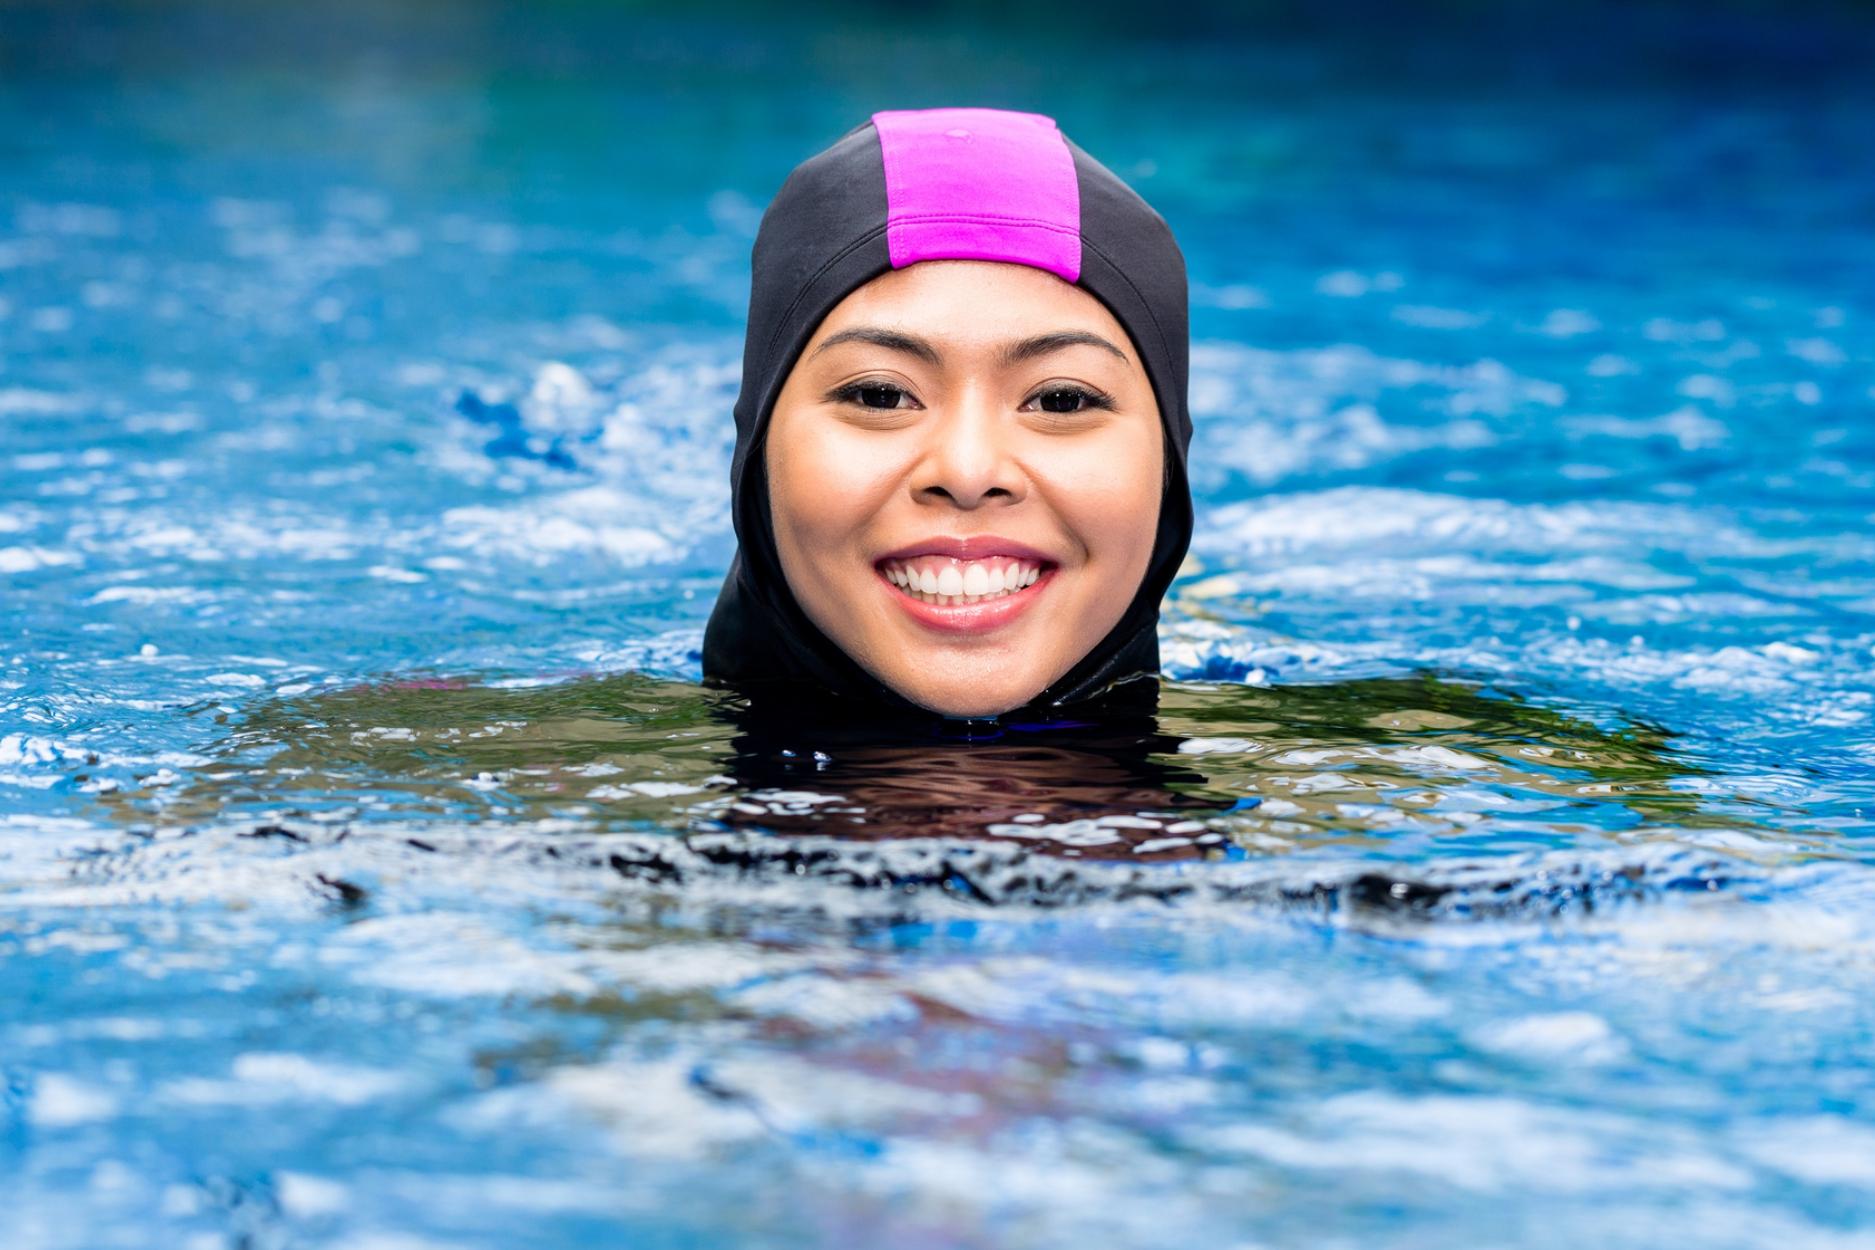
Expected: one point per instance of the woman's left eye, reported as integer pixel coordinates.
(1066, 399)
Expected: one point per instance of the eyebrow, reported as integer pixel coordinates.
(892, 340)
(1014, 354)
(1044, 344)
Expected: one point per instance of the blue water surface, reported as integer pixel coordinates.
(374, 874)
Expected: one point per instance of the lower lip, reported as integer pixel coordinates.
(970, 618)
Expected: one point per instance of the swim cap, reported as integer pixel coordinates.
(943, 184)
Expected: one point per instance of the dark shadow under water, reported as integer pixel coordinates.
(1415, 765)
(1419, 798)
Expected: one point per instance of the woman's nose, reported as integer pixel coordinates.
(969, 461)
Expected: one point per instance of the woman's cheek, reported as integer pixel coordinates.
(833, 488)
(1106, 490)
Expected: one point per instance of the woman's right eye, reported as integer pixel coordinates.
(875, 395)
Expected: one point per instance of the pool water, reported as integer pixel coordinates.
(374, 872)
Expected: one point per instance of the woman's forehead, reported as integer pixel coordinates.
(972, 304)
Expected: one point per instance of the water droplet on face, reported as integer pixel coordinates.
(957, 134)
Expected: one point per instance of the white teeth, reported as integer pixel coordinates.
(950, 584)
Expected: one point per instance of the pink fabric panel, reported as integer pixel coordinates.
(980, 184)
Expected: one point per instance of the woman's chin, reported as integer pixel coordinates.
(977, 699)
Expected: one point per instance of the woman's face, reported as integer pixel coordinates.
(965, 470)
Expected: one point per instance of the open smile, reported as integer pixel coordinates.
(945, 582)
(969, 585)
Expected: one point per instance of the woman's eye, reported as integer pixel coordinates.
(876, 395)
(1065, 399)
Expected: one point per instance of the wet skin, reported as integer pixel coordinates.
(986, 428)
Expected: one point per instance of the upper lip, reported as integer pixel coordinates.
(975, 547)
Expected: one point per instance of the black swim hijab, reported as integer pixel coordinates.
(961, 184)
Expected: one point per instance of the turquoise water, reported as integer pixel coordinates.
(374, 874)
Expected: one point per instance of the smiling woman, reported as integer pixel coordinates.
(965, 506)
(959, 475)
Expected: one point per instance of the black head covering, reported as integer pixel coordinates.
(825, 235)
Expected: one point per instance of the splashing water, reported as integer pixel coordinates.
(374, 872)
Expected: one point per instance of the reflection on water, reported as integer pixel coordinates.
(647, 935)
(1225, 771)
